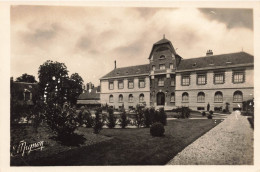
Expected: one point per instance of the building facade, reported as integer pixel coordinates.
(171, 81)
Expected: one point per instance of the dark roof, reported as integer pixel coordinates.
(128, 71)
(216, 61)
(94, 94)
(163, 41)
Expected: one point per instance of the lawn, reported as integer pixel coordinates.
(127, 146)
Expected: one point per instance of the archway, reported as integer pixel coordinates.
(160, 98)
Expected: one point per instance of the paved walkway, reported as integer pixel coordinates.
(229, 143)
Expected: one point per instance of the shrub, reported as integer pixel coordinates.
(157, 129)
(111, 122)
(224, 111)
(124, 121)
(152, 113)
(139, 116)
(63, 122)
(98, 123)
(87, 119)
(184, 112)
(211, 112)
(162, 116)
(147, 118)
(203, 113)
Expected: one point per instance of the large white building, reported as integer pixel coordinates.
(170, 81)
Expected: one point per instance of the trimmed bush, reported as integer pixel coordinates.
(162, 116)
(210, 114)
(98, 122)
(203, 113)
(157, 129)
(123, 122)
(184, 112)
(111, 120)
(147, 118)
(139, 116)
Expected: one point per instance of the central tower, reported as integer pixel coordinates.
(163, 63)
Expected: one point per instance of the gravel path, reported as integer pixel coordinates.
(229, 143)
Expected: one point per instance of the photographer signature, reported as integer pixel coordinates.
(23, 148)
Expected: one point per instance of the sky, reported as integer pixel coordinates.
(89, 39)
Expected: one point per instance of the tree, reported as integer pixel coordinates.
(26, 78)
(53, 82)
(75, 88)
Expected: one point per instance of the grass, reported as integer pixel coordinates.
(130, 146)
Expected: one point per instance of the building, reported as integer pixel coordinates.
(90, 97)
(23, 92)
(171, 81)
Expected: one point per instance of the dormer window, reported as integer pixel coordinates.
(162, 57)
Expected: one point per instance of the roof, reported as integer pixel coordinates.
(128, 71)
(94, 94)
(90, 102)
(214, 61)
(162, 41)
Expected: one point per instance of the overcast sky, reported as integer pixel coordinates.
(89, 39)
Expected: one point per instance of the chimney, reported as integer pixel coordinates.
(115, 64)
(209, 53)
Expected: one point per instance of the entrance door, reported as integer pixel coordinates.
(160, 99)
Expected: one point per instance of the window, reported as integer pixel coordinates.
(172, 81)
(218, 97)
(27, 95)
(172, 97)
(238, 76)
(111, 99)
(201, 79)
(120, 98)
(201, 97)
(238, 96)
(161, 66)
(161, 82)
(153, 67)
(130, 98)
(171, 66)
(141, 83)
(120, 84)
(131, 84)
(185, 81)
(141, 98)
(111, 85)
(185, 97)
(219, 78)
(162, 57)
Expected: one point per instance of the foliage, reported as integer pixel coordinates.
(152, 114)
(38, 114)
(139, 116)
(75, 83)
(227, 107)
(84, 117)
(147, 118)
(203, 113)
(184, 112)
(162, 116)
(26, 78)
(98, 122)
(53, 82)
(111, 120)
(123, 122)
(210, 114)
(157, 129)
(63, 122)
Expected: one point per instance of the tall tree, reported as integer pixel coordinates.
(53, 81)
(26, 78)
(75, 88)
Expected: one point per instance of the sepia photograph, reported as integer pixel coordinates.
(131, 85)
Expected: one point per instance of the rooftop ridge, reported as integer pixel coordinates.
(217, 55)
(130, 66)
